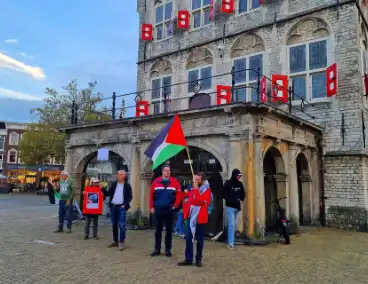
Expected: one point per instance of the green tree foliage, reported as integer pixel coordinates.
(57, 107)
(41, 142)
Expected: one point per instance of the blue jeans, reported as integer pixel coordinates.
(118, 217)
(179, 228)
(232, 214)
(189, 243)
(65, 212)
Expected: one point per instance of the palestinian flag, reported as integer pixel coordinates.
(168, 143)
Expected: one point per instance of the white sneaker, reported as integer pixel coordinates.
(231, 246)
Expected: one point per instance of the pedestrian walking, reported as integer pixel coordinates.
(196, 215)
(165, 197)
(234, 195)
(120, 194)
(65, 188)
(92, 218)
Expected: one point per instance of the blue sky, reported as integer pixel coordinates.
(48, 43)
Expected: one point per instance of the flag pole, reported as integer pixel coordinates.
(190, 160)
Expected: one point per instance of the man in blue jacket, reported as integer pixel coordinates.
(165, 196)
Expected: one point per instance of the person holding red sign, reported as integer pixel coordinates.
(92, 207)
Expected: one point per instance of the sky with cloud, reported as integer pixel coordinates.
(48, 43)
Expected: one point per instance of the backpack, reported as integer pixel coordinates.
(210, 207)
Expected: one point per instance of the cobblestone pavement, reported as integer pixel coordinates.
(319, 256)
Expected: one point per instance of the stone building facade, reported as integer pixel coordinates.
(316, 155)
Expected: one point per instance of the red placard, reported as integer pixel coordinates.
(263, 90)
(366, 85)
(331, 80)
(147, 32)
(261, 2)
(92, 200)
(227, 6)
(183, 19)
(223, 94)
(141, 108)
(280, 85)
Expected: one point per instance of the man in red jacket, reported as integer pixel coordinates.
(197, 214)
(165, 197)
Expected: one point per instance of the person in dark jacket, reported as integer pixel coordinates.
(165, 197)
(50, 192)
(120, 194)
(234, 195)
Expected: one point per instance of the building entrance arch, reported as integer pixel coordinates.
(274, 185)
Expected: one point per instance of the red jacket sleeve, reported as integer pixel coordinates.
(179, 196)
(198, 199)
(152, 194)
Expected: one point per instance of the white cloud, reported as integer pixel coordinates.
(18, 95)
(13, 64)
(12, 41)
(25, 55)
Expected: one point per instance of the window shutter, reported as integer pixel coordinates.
(223, 94)
(192, 80)
(147, 32)
(183, 19)
(331, 80)
(263, 90)
(255, 63)
(156, 89)
(206, 74)
(280, 85)
(240, 73)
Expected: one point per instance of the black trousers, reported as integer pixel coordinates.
(164, 217)
(94, 219)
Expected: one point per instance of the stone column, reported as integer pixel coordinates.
(259, 194)
(293, 183)
(135, 181)
(236, 157)
(69, 161)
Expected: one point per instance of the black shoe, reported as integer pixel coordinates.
(185, 263)
(86, 237)
(199, 264)
(155, 253)
(113, 245)
(58, 231)
(168, 253)
(96, 238)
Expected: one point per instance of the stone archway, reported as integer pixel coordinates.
(275, 180)
(89, 167)
(304, 189)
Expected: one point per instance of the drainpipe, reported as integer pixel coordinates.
(322, 207)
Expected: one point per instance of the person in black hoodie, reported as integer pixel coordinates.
(234, 194)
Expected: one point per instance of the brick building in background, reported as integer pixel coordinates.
(11, 134)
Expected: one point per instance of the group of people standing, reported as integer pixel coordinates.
(193, 205)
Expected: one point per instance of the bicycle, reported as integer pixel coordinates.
(77, 215)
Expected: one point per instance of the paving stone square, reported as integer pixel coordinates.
(31, 253)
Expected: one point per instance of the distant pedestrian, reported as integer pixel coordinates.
(234, 195)
(165, 196)
(196, 215)
(179, 227)
(94, 182)
(66, 190)
(120, 193)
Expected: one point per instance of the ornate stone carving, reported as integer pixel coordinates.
(247, 44)
(199, 56)
(307, 29)
(161, 67)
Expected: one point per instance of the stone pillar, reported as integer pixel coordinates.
(135, 178)
(69, 161)
(293, 183)
(236, 162)
(259, 194)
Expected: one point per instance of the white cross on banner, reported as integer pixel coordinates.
(103, 154)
